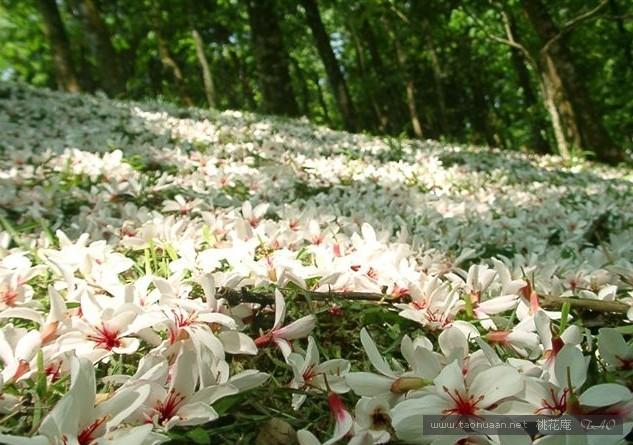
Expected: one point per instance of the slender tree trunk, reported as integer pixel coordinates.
(563, 126)
(85, 69)
(401, 57)
(480, 116)
(537, 142)
(305, 94)
(207, 79)
(380, 119)
(413, 111)
(60, 46)
(108, 66)
(321, 96)
(581, 124)
(245, 85)
(166, 58)
(272, 59)
(625, 40)
(480, 113)
(388, 100)
(170, 64)
(438, 75)
(335, 77)
(438, 89)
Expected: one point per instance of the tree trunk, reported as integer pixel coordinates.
(322, 102)
(170, 64)
(305, 93)
(537, 141)
(442, 126)
(388, 99)
(401, 57)
(625, 41)
(560, 108)
(438, 88)
(581, 126)
(335, 77)
(380, 119)
(60, 46)
(272, 59)
(480, 116)
(479, 103)
(84, 70)
(245, 86)
(110, 76)
(530, 99)
(207, 79)
(166, 58)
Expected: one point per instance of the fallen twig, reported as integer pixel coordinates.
(551, 302)
(243, 295)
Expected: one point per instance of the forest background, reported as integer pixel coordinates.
(530, 75)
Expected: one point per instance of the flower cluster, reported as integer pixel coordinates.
(125, 226)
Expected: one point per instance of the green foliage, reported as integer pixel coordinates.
(464, 81)
(24, 52)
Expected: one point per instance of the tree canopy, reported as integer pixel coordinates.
(530, 75)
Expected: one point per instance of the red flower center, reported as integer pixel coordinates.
(337, 407)
(557, 345)
(106, 338)
(169, 407)
(9, 296)
(54, 371)
(463, 404)
(528, 293)
(181, 320)
(557, 405)
(625, 363)
(433, 317)
(308, 374)
(86, 435)
(317, 239)
(399, 292)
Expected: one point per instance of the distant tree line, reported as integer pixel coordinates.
(544, 76)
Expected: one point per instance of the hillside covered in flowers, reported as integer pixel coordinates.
(205, 277)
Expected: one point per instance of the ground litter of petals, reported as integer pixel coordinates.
(180, 274)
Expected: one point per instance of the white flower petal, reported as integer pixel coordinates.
(605, 394)
(280, 309)
(297, 329)
(305, 437)
(495, 384)
(237, 343)
(196, 414)
(570, 360)
(375, 357)
(368, 384)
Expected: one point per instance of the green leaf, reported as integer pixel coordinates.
(198, 435)
(223, 405)
(564, 316)
(626, 330)
(40, 386)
